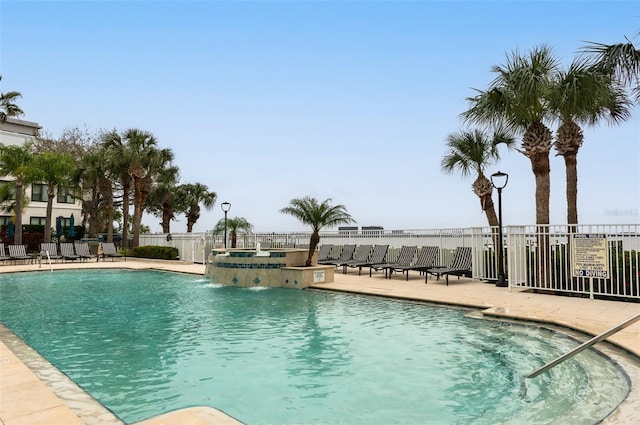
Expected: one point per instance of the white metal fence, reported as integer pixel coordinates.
(536, 257)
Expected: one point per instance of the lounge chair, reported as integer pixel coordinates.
(3, 253)
(66, 250)
(405, 258)
(460, 265)
(377, 256)
(345, 255)
(19, 253)
(82, 250)
(427, 259)
(109, 250)
(50, 251)
(360, 256)
(324, 253)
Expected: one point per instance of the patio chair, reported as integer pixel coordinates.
(82, 250)
(50, 251)
(460, 265)
(427, 259)
(345, 255)
(3, 253)
(360, 255)
(66, 250)
(324, 253)
(377, 255)
(109, 250)
(19, 253)
(405, 258)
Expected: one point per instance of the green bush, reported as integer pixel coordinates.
(157, 252)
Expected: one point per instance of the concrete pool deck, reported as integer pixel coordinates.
(27, 396)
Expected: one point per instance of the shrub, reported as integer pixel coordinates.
(157, 252)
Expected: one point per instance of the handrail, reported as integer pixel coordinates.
(585, 345)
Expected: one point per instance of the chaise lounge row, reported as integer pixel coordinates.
(49, 252)
(409, 258)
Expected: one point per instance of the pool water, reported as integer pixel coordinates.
(145, 342)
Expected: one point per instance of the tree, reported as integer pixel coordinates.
(92, 176)
(55, 171)
(517, 100)
(470, 152)
(316, 215)
(193, 195)
(620, 60)
(118, 159)
(163, 199)
(234, 225)
(582, 95)
(147, 162)
(7, 106)
(16, 161)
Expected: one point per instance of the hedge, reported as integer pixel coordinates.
(156, 252)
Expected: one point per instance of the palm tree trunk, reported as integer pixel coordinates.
(47, 221)
(126, 192)
(541, 171)
(17, 238)
(313, 244)
(234, 238)
(571, 166)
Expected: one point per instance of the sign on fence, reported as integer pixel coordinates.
(589, 256)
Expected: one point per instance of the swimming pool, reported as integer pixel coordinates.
(144, 343)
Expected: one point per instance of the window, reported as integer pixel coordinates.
(7, 188)
(39, 192)
(4, 220)
(65, 197)
(38, 221)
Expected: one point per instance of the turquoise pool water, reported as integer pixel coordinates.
(144, 342)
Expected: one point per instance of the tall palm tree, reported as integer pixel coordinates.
(583, 95)
(118, 159)
(16, 161)
(234, 225)
(317, 215)
(471, 152)
(620, 60)
(7, 106)
(147, 162)
(92, 176)
(55, 170)
(517, 100)
(162, 201)
(193, 195)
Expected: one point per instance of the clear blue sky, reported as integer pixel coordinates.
(352, 100)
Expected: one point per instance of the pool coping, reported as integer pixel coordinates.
(583, 316)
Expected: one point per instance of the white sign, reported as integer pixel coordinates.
(589, 255)
(318, 276)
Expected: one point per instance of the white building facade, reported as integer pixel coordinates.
(18, 132)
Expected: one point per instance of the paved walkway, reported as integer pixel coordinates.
(26, 399)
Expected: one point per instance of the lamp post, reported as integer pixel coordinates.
(499, 181)
(225, 207)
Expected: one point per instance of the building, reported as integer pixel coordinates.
(18, 132)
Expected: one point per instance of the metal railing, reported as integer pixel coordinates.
(536, 257)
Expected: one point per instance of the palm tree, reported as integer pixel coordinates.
(118, 159)
(162, 201)
(7, 106)
(235, 225)
(193, 195)
(92, 175)
(55, 170)
(517, 100)
(471, 152)
(147, 162)
(16, 161)
(620, 60)
(583, 95)
(317, 215)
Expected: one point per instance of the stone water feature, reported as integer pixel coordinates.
(276, 267)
